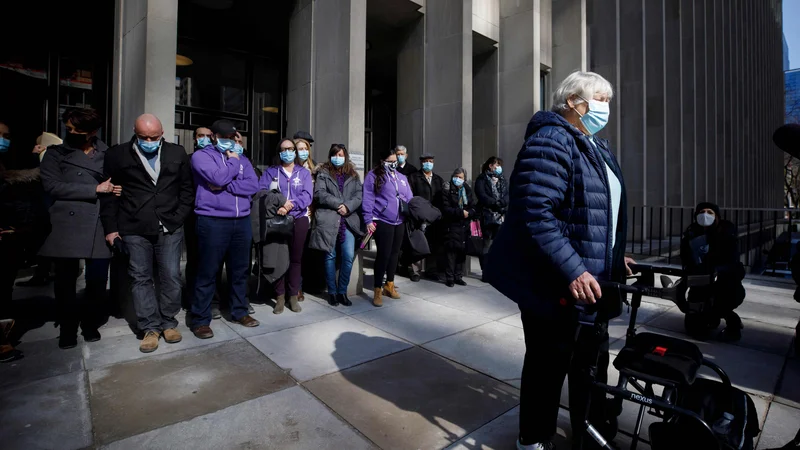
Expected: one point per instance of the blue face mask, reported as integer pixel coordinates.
(597, 117)
(4, 144)
(288, 156)
(337, 161)
(427, 167)
(238, 149)
(401, 159)
(149, 146)
(203, 142)
(458, 181)
(302, 154)
(225, 145)
(498, 170)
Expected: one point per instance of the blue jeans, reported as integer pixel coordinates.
(348, 250)
(221, 239)
(155, 314)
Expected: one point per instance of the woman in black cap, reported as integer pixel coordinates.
(709, 247)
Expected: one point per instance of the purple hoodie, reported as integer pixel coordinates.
(236, 177)
(300, 190)
(386, 206)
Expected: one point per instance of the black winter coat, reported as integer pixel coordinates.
(431, 192)
(487, 202)
(456, 227)
(722, 255)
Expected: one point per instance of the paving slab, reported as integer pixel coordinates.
(120, 345)
(46, 414)
(42, 359)
(426, 289)
(312, 312)
(363, 303)
(780, 315)
(775, 294)
(138, 396)
(788, 391)
(414, 399)
(495, 349)
(42, 332)
(419, 321)
(503, 432)
(513, 320)
(756, 335)
(780, 428)
(289, 419)
(486, 302)
(646, 313)
(313, 350)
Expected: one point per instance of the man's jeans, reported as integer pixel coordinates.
(165, 249)
(228, 240)
(347, 250)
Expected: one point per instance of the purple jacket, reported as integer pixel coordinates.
(299, 190)
(385, 207)
(236, 177)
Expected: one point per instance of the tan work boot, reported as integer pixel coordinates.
(280, 304)
(150, 342)
(390, 290)
(377, 300)
(293, 305)
(172, 336)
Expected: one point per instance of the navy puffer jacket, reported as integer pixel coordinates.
(557, 225)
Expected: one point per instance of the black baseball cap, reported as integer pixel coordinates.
(304, 135)
(223, 127)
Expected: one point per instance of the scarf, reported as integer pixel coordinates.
(340, 179)
(462, 197)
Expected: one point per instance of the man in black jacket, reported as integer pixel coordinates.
(157, 197)
(426, 184)
(403, 166)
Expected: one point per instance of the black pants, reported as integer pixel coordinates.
(489, 233)
(728, 294)
(389, 239)
(88, 312)
(454, 270)
(10, 250)
(551, 353)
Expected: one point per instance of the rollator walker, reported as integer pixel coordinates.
(696, 413)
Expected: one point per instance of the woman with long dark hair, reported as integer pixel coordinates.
(386, 197)
(337, 224)
(459, 207)
(294, 182)
(492, 192)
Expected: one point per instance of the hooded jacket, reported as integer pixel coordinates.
(385, 206)
(299, 189)
(236, 177)
(559, 217)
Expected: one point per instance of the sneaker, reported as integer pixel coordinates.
(536, 446)
(250, 309)
(215, 313)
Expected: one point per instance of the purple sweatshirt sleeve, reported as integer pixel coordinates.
(266, 179)
(368, 201)
(305, 195)
(405, 189)
(246, 183)
(208, 170)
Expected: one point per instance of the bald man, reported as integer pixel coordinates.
(146, 222)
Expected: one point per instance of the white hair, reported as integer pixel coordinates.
(585, 85)
(401, 147)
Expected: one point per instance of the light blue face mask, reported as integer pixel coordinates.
(401, 159)
(498, 170)
(427, 167)
(337, 161)
(225, 145)
(149, 146)
(288, 156)
(238, 149)
(203, 142)
(4, 144)
(458, 181)
(302, 154)
(597, 117)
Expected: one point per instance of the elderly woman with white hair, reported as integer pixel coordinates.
(564, 231)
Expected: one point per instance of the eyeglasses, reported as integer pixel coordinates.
(286, 149)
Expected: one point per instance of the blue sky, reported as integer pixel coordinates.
(791, 12)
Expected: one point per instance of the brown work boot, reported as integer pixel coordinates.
(150, 342)
(203, 332)
(390, 290)
(280, 304)
(248, 322)
(172, 336)
(293, 305)
(377, 300)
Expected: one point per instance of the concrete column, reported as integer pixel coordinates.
(448, 83)
(519, 71)
(570, 49)
(411, 89)
(145, 45)
(485, 110)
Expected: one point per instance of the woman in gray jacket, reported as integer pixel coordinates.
(337, 196)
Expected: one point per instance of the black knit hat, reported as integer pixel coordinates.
(304, 135)
(707, 205)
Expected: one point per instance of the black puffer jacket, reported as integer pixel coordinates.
(456, 227)
(487, 202)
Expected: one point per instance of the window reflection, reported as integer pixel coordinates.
(266, 113)
(211, 80)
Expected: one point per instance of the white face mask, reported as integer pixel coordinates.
(705, 219)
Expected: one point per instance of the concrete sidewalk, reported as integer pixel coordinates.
(438, 368)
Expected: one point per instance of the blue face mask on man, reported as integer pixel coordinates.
(149, 146)
(337, 161)
(597, 117)
(4, 144)
(302, 154)
(427, 167)
(225, 145)
(401, 159)
(288, 156)
(458, 181)
(203, 142)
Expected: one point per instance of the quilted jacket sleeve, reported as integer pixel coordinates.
(543, 174)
